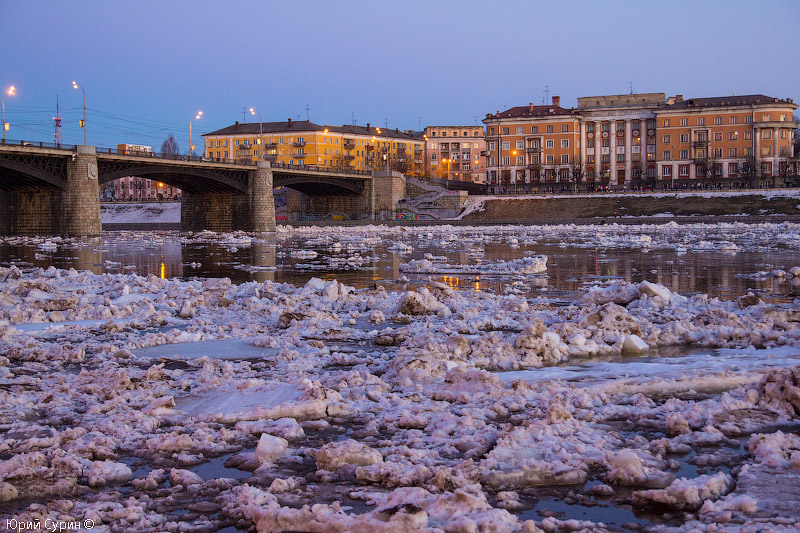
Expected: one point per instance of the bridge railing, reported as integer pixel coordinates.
(61, 146)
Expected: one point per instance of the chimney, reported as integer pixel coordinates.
(530, 107)
(367, 127)
(236, 126)
(290, 123)
(557, 101)
(678, 98)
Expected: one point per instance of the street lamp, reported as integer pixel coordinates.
(83, 122)
(260, 134)
(388, 148)
(11, 91)
(191, 146)
(514, 155)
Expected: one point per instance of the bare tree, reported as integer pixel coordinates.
(750, 170)
(578, 172)
(170, 146)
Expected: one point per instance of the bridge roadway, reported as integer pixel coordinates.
(47, 189)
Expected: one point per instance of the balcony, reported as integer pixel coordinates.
(349, 145)
(533, 150)
(299, 155)
(349, 157)
(271, 146)
(299, 144)
(699, 144)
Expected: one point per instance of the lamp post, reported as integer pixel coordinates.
(260, 134)
(11, 91)
(191, 146)
(514, 155)
(388, 148)
(83, 122)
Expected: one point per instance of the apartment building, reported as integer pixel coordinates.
(736, 138)
(303, 143)
(455, 153)
(642, 139)
(532, 145)
(132, 188)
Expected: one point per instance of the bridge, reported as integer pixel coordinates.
(47, 189)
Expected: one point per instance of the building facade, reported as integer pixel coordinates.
(455, 153)
(642, 140)
(303, 143)
(132, 188)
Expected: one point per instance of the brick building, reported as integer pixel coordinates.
(455, 153)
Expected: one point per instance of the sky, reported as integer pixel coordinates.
(148, 67)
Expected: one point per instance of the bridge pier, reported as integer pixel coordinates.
(224, 211)
(388, 188)
(261, 199)
(81, 198)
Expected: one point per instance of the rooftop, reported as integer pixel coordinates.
(304, 126)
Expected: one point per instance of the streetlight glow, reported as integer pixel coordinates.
(191, 146)
(11, 91)
(83, 123)
(260, 134)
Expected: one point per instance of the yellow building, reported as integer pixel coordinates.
(305, 144)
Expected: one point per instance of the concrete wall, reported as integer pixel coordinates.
(31, 212)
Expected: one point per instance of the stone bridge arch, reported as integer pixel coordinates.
(192, 180)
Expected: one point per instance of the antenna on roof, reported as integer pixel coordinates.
(244, 115)
(546, 93)
(306, 112)
(630, 83)
(419, 123)
(353, 117)
(475, 119)
(386, 123)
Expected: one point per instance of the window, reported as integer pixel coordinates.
(733, 169)
(549, 129)
(748, 151)
(550, 159)
(590, 127)
(564, 128)
(519, 129)
(506, 160)
(549, 143)
(683, 171)
(520, 145)
(564, 159)
(783, 134)
(564, 143)
(684, 122)
(667, 155)
(748, 135)
(666, 171)
(783, 118)
(491, 145)
(666, 123)
(717, 136)
(684, 154)
(506, 145)
(766, 150)
(218, 144)
(766, 134)
(732, 152)
(605, 126)
(732, 120)
(505, 131)
(520, 160)
(666, 139)
(590, 159)
(733, 135)
(491, 131)
(766, 117)
(748, 119)
(210, 144)
(701, 121)
(605, 158)
(491, 161)
(684, 137)
(466, 166)
(717, 152)
(605, 143)
(535, 129)
(620, 158)
(717, 120)
(651, 123)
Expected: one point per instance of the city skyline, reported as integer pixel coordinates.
(147, 73)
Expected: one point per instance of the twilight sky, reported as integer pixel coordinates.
(148, 67)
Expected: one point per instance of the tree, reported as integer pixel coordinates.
(750, 170)
(578, 172)
(170, 146)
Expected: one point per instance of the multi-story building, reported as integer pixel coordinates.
(532, 146)
(744, 139)
(455, 153)
(638, 139)
(132, 188)
(304, 143)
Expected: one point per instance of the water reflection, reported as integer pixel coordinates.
(570, 269)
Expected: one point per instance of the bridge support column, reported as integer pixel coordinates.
(261, 200)
(388, 188)
(81, 196)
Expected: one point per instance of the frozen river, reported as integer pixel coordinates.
(557, 378)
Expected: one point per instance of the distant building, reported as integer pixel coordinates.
(303, 143)
(132, 188)
(638, 140)
(455, 152)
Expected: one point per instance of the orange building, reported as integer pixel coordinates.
(455, 152)
(742, 139)
(532, 147)
(642, 140)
